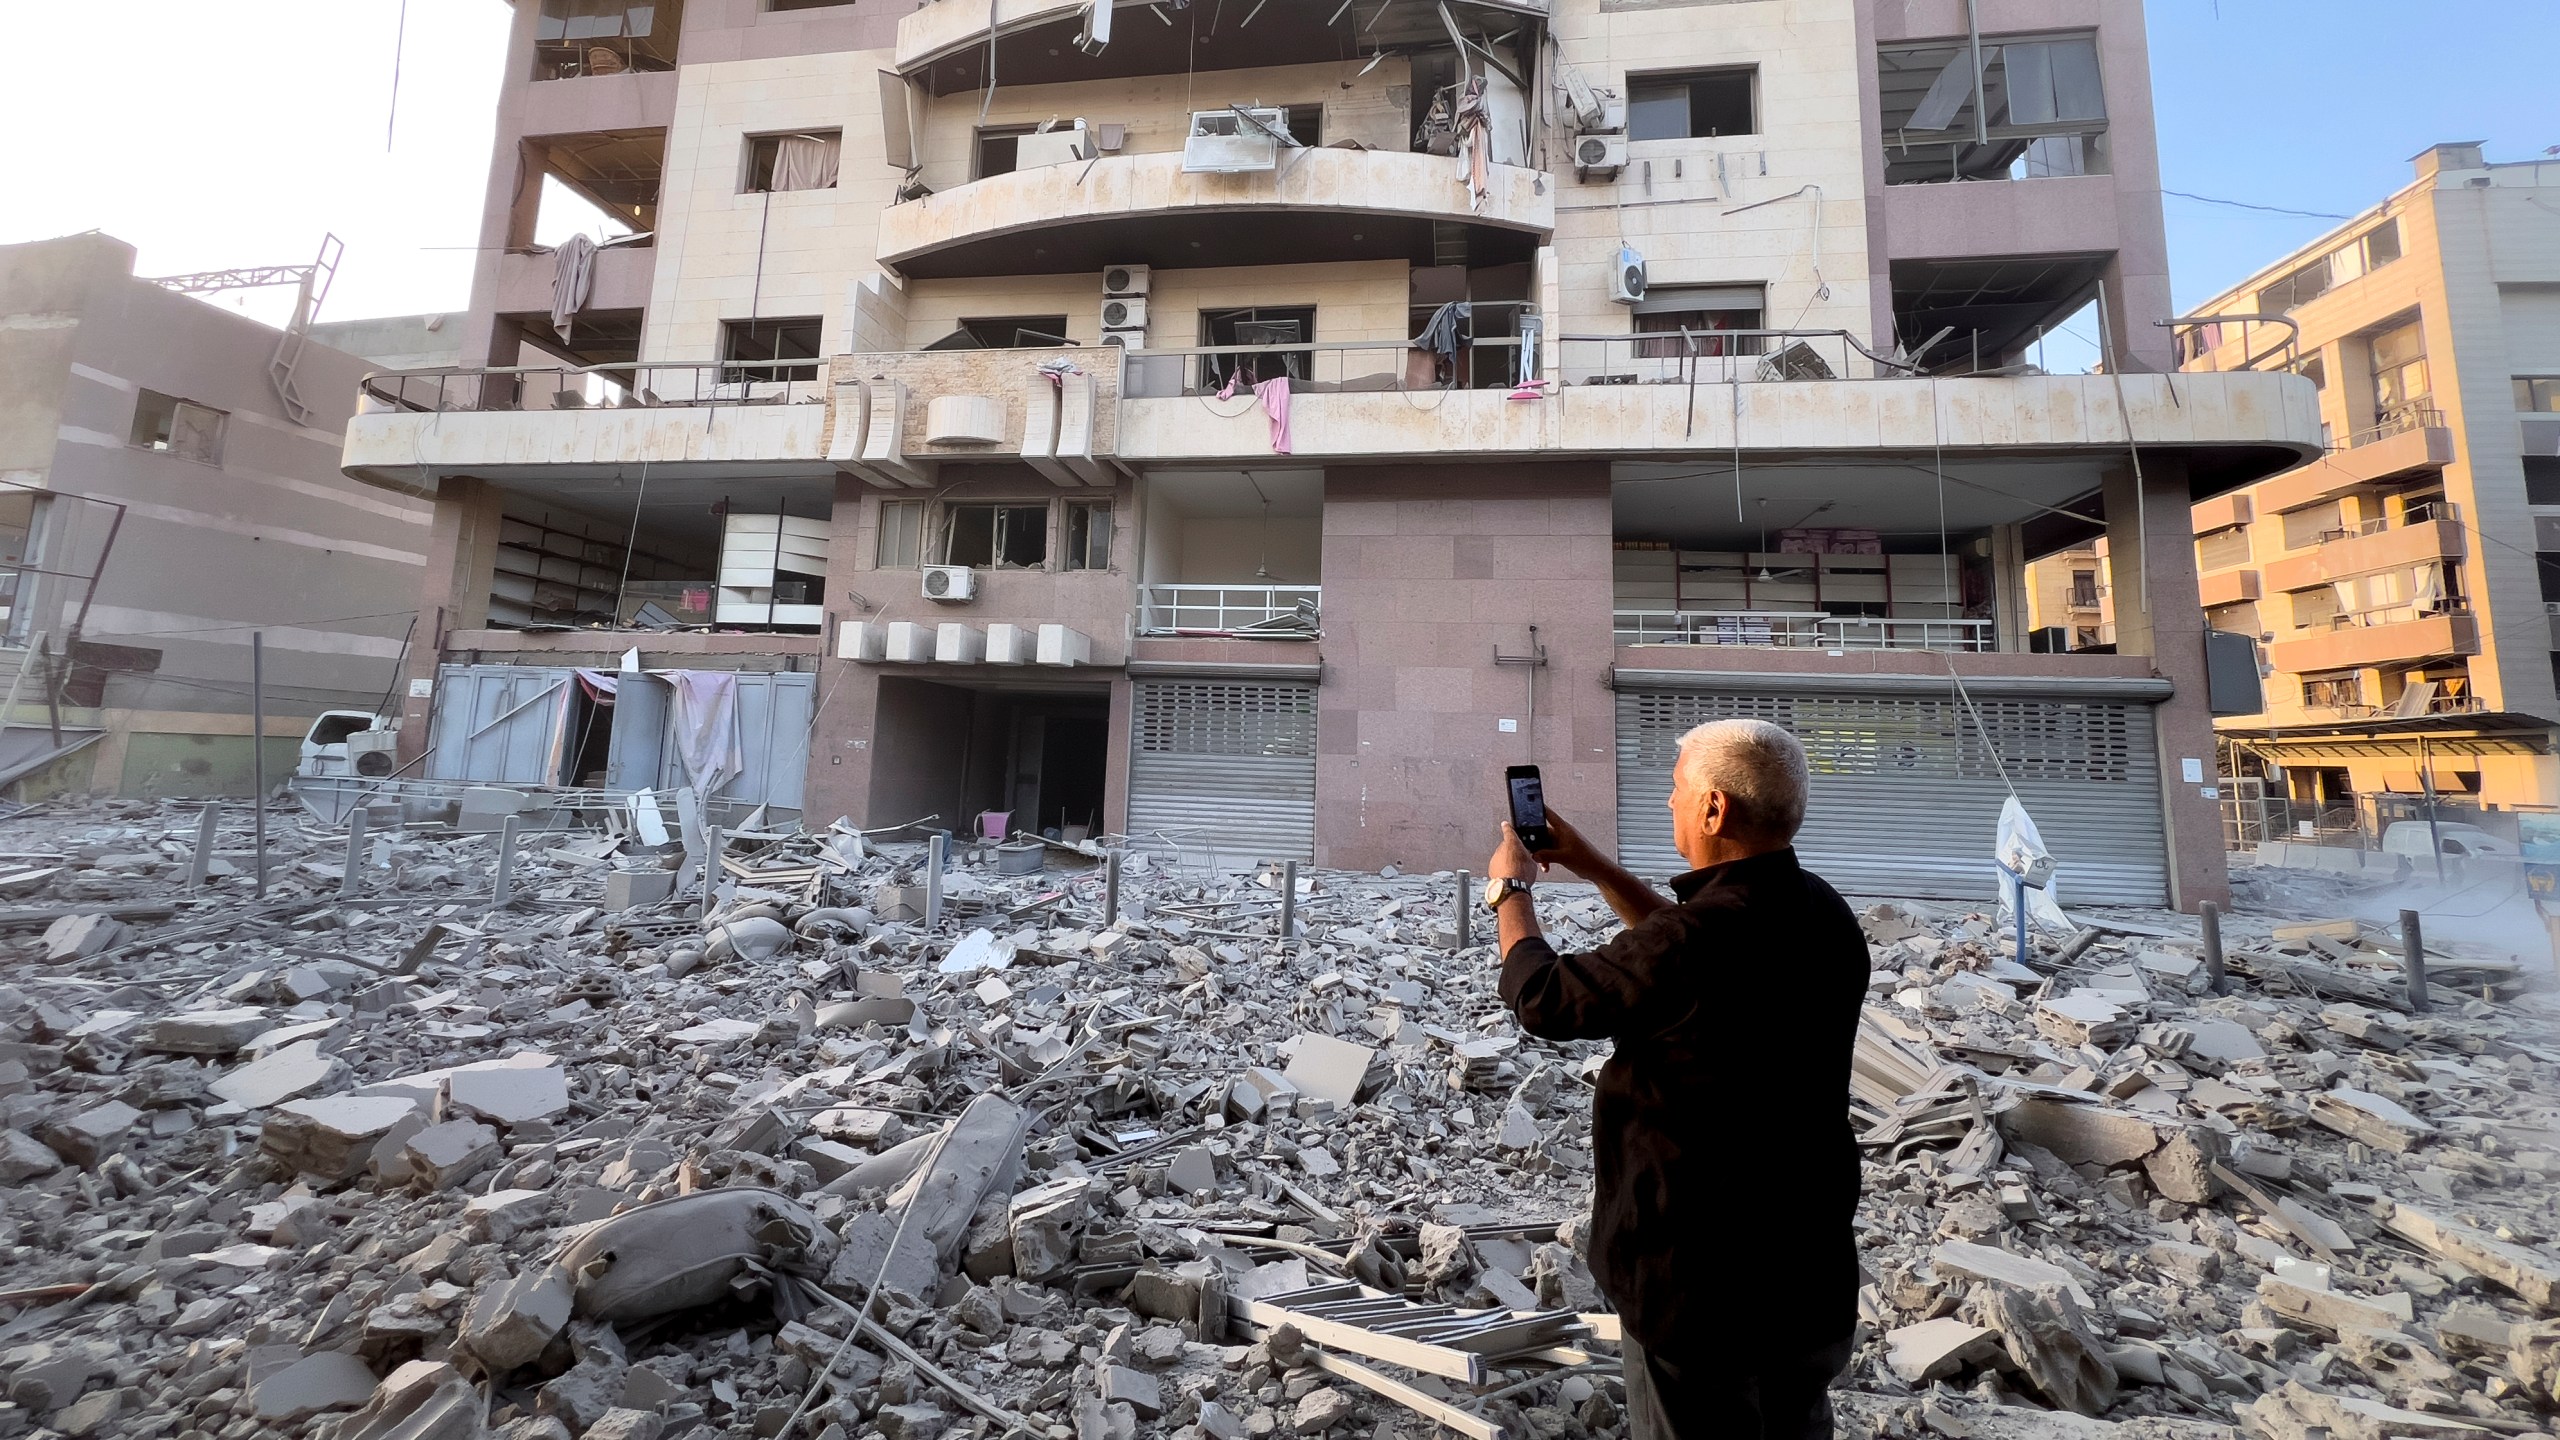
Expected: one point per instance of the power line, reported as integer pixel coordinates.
(2245, 205)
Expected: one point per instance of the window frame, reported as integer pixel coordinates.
(2010, 143)
(1092, 549)
(764, 151)
(978, 139)
(1292, 363)
(2527, 387)
(165, 429)
(732, 330)
(901, 530)
(1689, 82)
(1001, 525)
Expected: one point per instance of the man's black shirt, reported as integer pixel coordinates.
(1727, 1171)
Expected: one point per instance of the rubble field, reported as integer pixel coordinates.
(538, 1135)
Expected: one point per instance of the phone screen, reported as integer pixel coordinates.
(1528, 803)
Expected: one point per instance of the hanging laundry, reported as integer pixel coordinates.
(573, 275)
(1274, 395)
(1447, 328)
(707, 727)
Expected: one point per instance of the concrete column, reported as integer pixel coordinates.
(840, 742)
(2150, 550)
(2009, 588)
(462, 548)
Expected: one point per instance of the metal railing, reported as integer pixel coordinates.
(1263, 612)
(2397, 614)
(2400, 421)
(1810, 630)
(1323, 367)
(2415, 515)
(617, 385)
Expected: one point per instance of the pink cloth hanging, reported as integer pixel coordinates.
(1274, 394)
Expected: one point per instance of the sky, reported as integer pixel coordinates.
(254, 127)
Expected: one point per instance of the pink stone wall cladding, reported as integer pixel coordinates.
(1428, 570)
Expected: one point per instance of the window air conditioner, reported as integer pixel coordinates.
(952, 583)
(1125, 279)
(1626, 281)
(1234, 141)
(1124, 312)
(1599, 154)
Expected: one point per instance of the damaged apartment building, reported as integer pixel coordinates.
(2406, 583)
(1246, 428)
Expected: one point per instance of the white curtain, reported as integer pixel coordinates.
(805, 162)
(573, 275)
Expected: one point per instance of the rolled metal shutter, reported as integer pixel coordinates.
(1224, 767)
(1907, 790)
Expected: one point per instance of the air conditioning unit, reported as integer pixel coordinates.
(1126, 279)
(1054, 147)
(950, 583)
(1626, 281)
(1124, 312)
(1126, 339)
(1234, 141)
(1599, 154)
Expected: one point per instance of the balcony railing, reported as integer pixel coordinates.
(1808, 630)
(623, 385)
(1249, 612)
(1325, 367)
(2415, 515)
(2400, 421)
(2395, 614)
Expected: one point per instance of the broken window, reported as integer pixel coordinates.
(2333, 692)
(2084, 589)
(574, 38)
(1694, 104)
(2537, 394)
(2297, 289)
(901, 535)
(1088, 535)
(1306, 125)
(1256, 325)
(805, 160)
(2367, 252)
(1007, 332)
(2400, 389)
(745, 342)
(1700, 310)
(2038, 109)
(179, 427)
(1012, 535)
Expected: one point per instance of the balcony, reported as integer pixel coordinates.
(943, 44)
(1146, 209)
(622, 276)
(2390, 637)
(1239, 612)
(1806, 630)
(2416, 444)
(2436, 534)
(888, 416)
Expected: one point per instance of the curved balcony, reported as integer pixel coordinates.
(943, 44)
(1146, 209)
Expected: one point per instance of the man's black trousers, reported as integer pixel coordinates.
(1707, 1397)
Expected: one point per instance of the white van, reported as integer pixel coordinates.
(2409, 837)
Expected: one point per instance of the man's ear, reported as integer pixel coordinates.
(1712, 813)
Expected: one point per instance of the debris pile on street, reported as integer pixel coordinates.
(534, 1134)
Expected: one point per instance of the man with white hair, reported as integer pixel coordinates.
(1727, 1174)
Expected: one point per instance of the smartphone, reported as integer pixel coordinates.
(1529, 808)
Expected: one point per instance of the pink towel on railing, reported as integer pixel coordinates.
(1274, 395)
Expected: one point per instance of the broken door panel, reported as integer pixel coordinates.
(499, 724)
(641, 706)
(774, 715)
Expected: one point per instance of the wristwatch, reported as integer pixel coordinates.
(1501, 888)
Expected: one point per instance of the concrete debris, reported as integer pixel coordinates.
(595, 1166)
